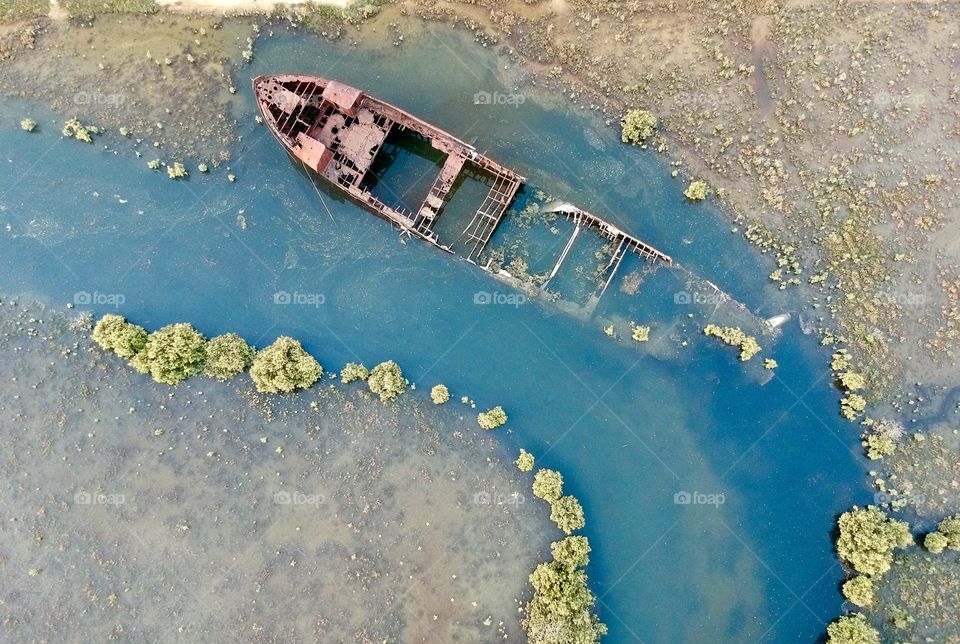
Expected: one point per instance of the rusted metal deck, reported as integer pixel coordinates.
(337, 132)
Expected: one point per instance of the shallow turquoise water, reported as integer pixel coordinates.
(630, 426)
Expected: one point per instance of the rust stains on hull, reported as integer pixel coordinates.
(337, 131)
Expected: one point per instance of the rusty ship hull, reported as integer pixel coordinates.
(337, 131)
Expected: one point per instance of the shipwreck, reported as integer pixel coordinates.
(339, 132)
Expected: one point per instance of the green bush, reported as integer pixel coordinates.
(227, 356)
(935, 542)
(353, 371)
(12, 11)
(840, 360)
(28, 125)
(868, 537)
(735, 337)
(854, 629)
(859, 590)
(851, 406)
(637, 126)
(283, 367)
(639, 333)
(548, 485)
(493, 418)
(560, 611)
(387, 380)
(525, 461)
(852, 381)
(879, 445)
(439, 394)
(177, 171)
(697, 191)
(173, 353)
(115, 333)
(77, 130)
(85, 8)
(571, 552)
(567, 513)
(950, 529)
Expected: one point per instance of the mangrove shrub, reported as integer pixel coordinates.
(560, 610)
(950, 529)
(868, 537)
(228, 355)
(735, 337)
(439, 394)
(283, 367)
(859, 590)
(879, 445)
(853, 629)
(935, 542)
(639, 333)
(177, 171)
(697, 191)
(851, 406)
(567, 513)
(525, 461)
(637, 126)
(172, 354)
(353, 371)
(572, 552)
(852, 381)
(493, 418)
(115, 333)
(77, 130)
(548, 485)
(387, 380)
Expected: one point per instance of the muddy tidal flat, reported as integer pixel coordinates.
(136, 513)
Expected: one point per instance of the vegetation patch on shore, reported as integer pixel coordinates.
(89, 9)
(329, 492)
(13, 11)
(562, 603)
(493, 418)
(562, 606)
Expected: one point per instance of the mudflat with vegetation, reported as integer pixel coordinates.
(827, 134)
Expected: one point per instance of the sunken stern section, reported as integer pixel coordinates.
(339, 132)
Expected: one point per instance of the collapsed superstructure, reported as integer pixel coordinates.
(337, 131)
